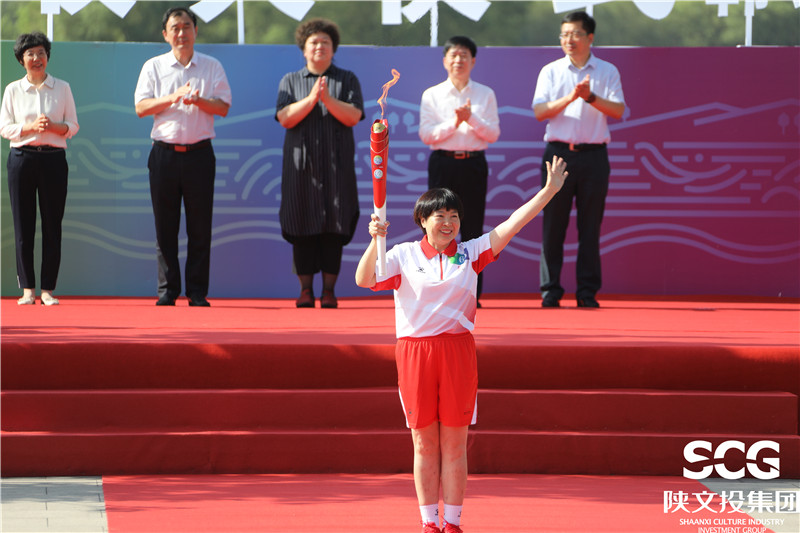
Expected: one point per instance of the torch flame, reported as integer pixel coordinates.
(386, 87)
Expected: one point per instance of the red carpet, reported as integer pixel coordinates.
(386, 503)
(504, 319)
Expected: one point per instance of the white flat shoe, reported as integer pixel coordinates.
(48, 299)
(27, 300)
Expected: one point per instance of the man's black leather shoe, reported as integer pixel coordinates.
(588, 302)
(166, 300)
(550, 301)
(198, 302)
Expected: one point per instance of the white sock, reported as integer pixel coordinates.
(452, 514)
(430, 513)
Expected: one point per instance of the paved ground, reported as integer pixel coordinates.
(791, 522)
(53, 504)
(76, 504)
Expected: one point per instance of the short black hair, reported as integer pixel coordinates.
(177, 10)
(317, 25)
(580, 16)
(31, 40)
(435, 199)
(461, 40)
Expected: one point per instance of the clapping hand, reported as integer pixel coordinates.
(463, 113)
(192, 97)
(583, 89)
(180, 93)
(319, 92)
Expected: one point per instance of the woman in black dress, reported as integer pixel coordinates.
(318, 105)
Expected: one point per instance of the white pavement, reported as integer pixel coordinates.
(50, 504)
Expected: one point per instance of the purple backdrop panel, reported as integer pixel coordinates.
(704, 194)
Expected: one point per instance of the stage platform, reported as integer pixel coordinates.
(119, 386)
(724, 322)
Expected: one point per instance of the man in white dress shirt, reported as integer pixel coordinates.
(458, 120)
(183, 90)
(576, 94)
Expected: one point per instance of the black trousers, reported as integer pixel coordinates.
(468, 178)
(186, 177)
(315, 253)
(41, 175)
(587, 184)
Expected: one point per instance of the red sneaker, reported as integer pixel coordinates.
(430, 527)
(450, 528)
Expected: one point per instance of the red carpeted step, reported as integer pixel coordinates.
(609, 452)
(42, 454)
(201, 410)
(204, 452)
(172, 365)
(379, 408)
(120, 365)
(639, 410)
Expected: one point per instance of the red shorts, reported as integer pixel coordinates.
(438, 378)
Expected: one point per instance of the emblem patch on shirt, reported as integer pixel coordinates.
(459, 259)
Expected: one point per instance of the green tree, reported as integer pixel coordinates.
(505, 23)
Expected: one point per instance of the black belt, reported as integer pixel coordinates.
(460, 154)
(183, 147)
(578, 147)
(39, 148)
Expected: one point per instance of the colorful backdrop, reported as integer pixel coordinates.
(705, 184)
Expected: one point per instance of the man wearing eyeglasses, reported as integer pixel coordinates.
(183, 90)
(576, 95)
(458, 119)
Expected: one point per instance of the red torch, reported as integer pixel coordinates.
(379, 158)
(378, 152)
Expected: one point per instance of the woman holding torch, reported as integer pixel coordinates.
(435, 284)
(318, 105)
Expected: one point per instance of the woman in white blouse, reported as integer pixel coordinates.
(37, 116)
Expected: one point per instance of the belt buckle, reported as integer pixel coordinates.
(572, 148)
(181, 148)
(460, 155)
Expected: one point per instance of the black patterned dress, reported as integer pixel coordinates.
(318, 183)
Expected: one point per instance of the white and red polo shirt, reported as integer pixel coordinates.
(434, 292)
